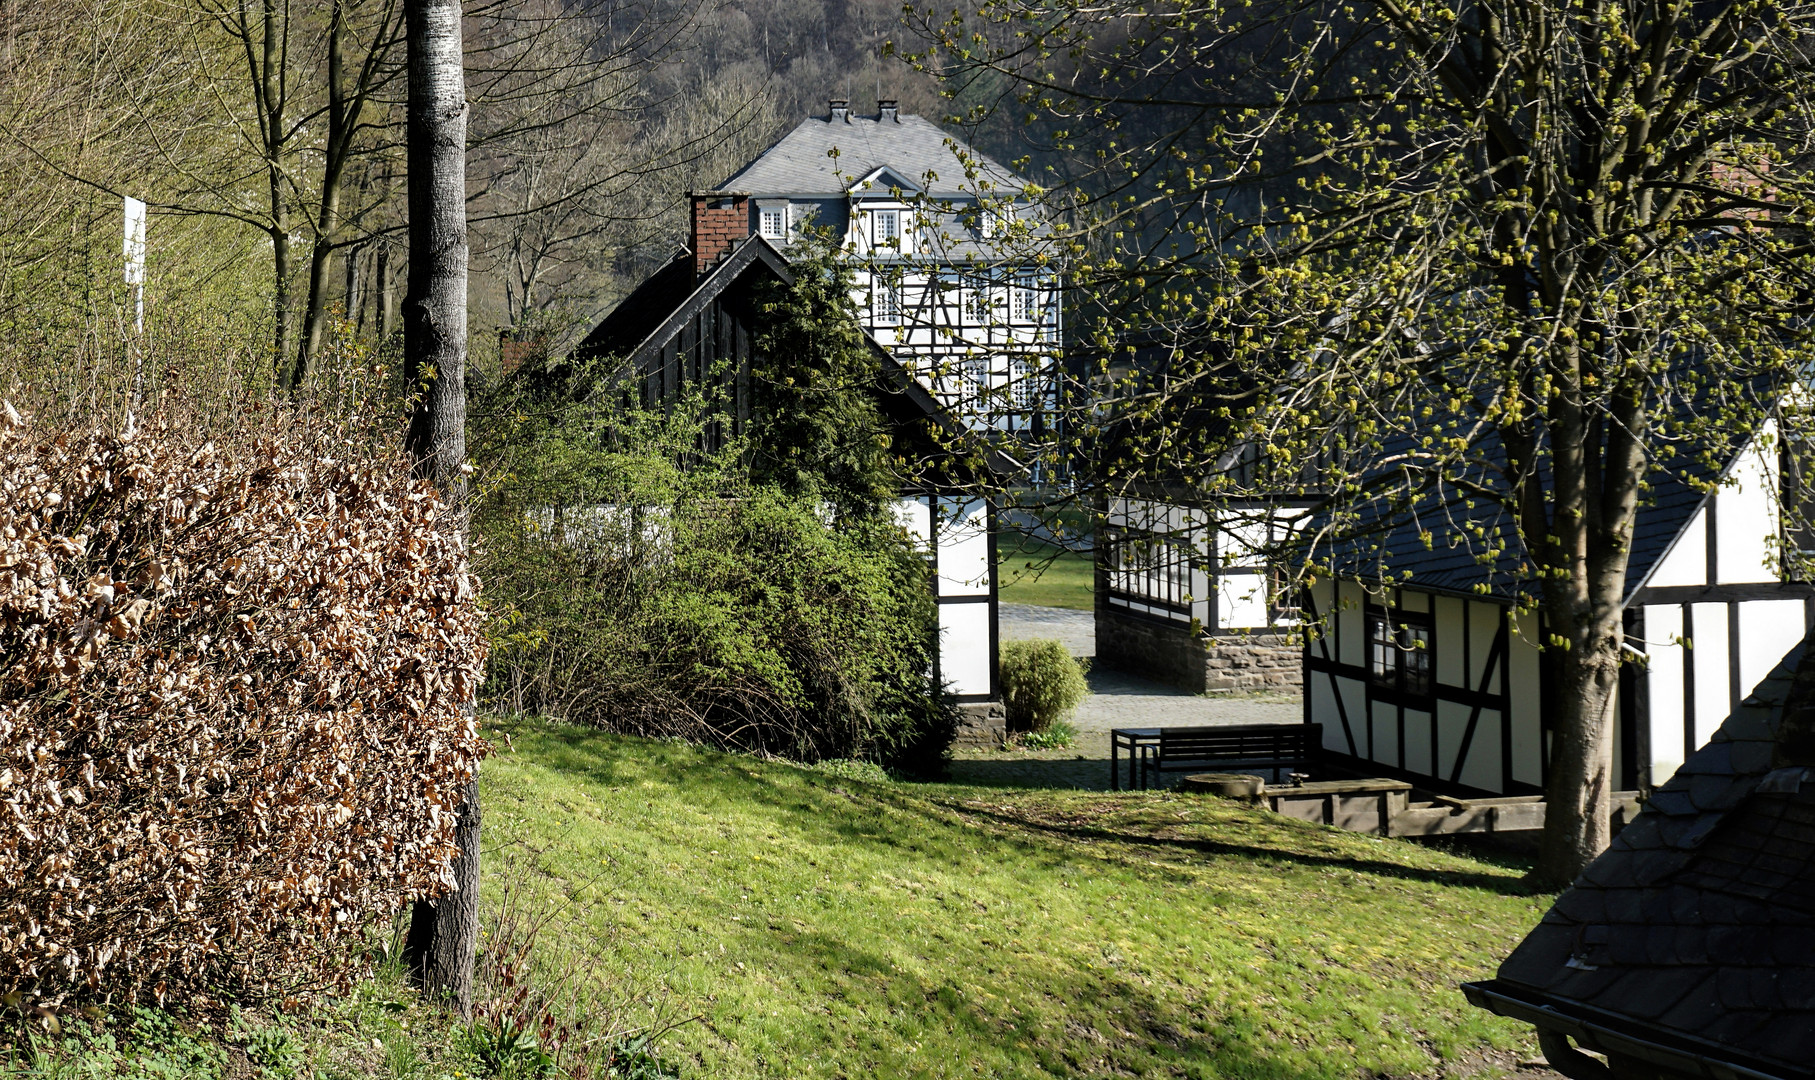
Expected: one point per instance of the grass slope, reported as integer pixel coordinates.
(1030, 572)
(826, 927)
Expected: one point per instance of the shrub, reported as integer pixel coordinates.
(234, 707)
(1041, 683)
(657, 600)
(1055, 736)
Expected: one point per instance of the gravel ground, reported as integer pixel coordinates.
(1117, 700)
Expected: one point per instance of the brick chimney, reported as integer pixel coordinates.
(841, 111)
(887, 112)
(721, 221)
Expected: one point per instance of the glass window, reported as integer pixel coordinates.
(1399, 652)
(1024, 304)
(772, 222)
(885, 304)
(888, 227)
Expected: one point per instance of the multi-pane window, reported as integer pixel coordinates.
(772, 222)
(1151, 569)
(1024, 387)
(1024, 299)
(1399, 652)
(887, 230)
(885, 303)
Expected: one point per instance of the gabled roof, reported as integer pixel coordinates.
(885, 181)
(657, 310)
(1437, 541)
(1690, 942)
(916, 149)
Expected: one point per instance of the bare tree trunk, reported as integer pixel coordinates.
(387, 290)
(1578, 802)
(444, 931)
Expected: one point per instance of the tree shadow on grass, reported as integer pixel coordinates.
(1108, 1023)
(1203, 846)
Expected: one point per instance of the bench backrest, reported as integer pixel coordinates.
(1242, 742)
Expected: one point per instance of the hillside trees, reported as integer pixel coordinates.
(1508, 252)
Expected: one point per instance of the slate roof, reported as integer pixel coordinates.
(1693, 935)
(1462, 528)
(801, 163)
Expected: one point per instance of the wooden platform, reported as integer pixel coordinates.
(1386, 808)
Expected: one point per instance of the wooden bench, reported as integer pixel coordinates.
(1238, 746)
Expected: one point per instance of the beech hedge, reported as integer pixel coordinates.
(235, 723)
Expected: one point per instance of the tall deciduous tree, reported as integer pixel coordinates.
(444, 931)
(1451, 254)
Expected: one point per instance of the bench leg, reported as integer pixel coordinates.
(1115, 775)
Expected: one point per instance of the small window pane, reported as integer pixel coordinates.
(888, 226)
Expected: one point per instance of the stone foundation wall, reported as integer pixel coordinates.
(1254, 662)
(1172, 654)
(982, 724)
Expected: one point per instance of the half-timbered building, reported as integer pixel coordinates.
(693, 325)
(923, 218)
(1423, 667)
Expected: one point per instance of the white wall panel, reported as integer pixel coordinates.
(1482, 768)
(1746, 521)
(915, 515)
(1352, 640)
(1767, 630)
(964, 647)
(1386, 734)
(964, 568)
(1324, 711)
(1664, 688)
(1527, 718)
(1355, 700)
(1418, 742)
(1241, 600)
(1713, 695)
(1687, 562)
(1452, 723)
(1483, 628)
(1447, 620)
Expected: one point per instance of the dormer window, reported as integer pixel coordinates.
(986, 223)
(772, 222)
(887, 228)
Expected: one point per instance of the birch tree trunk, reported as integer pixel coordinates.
(443, 931)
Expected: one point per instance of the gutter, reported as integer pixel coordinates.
(1558, 1020)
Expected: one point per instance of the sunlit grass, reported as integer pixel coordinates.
(822, 925)
(1031, 572)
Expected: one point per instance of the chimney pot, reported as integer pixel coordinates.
(887, 112)
(841, 110)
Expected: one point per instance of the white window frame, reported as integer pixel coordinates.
(1024, 300)
(878, 238)
(772, 215)
(885, 303)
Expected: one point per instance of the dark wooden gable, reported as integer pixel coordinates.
(675, 340)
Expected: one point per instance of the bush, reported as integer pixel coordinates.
(1041, 683)
(234, 708)
(647, 587)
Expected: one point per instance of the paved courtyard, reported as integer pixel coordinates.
(1117, 700)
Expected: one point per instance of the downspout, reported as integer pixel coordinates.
(1566, 1059)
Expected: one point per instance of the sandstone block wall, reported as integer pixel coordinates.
(1198, 663)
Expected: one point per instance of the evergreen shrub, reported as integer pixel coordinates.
(1041, 683)
(234, 718)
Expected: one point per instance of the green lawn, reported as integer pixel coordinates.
(1031, 572)
(827, 927)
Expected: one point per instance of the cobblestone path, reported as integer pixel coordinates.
(1117, 700)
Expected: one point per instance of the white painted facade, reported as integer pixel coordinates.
(1197, 568)
(957, 536)
(984, 334)
(1711, 621)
